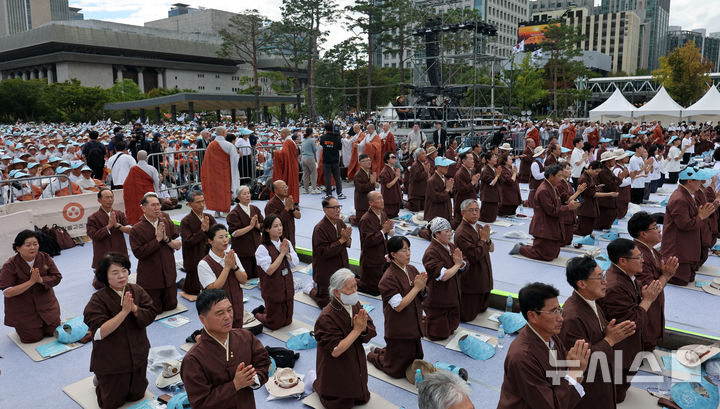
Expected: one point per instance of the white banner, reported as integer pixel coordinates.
(70, 212)
(11, 226)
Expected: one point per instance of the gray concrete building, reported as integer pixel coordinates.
(206, 21)
(99, 53)
(709, 46)
(23, 15)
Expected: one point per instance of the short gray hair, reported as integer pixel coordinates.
(441, 390)
(192, 194)
(467, 202)
(338, 279)
(417, 152)
(220, 130)
(240, 189)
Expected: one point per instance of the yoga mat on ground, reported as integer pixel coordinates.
(32, 352)
(250, 284)
(637, 398)
(484, 319)
(282, 333)
(560, 261)
(179, 309)
(659, 354)
(707, 270)
(401, 383)
(501, 223)
(83, 393)
(376, 402)
(582, 250)
(690, 286)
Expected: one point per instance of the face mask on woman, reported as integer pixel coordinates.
(349, 299)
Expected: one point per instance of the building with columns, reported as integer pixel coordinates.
(99, 53)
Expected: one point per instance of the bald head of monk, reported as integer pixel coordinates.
(376, 201)
(142, 155)
(280, 188)
(220, 130)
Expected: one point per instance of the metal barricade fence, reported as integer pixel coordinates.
(34, 188)
(179, 170)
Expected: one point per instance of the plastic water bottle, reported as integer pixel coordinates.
(596, 241)
(509, 304)
(418, 377)
(501, 336)
(520, 209)
(461, 372)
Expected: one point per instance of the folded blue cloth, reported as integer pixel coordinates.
(664, 202)
(603, 262)
(687, 397)
(73, 330)
(475, 348)
(586, 240)
(51, 349)
(512, 322)
(609, 236)
(179, 401)
(302, 341)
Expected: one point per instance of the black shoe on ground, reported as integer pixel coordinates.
(515, 250)
(259, 310)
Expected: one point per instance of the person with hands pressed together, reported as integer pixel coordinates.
(284, 206)
(330, 240)
(439, 191)
(375, 227)
(365, 181)
(222, 270)
(245, 225)
(107, 228)
(341, 330)
(193, 231)
(443, 262)
(153, 242)
(683, 223)
(566, 194)
(118, 315)
(27, 280)
(402, 289)
(583, 320)
(466, 185)
(417, 179)
(489, 193)
(533, 376)
(276, 258)
(227, 364)
(476, 281)
(391, 185)
(547, 231)
(508, 187)
(626, 299)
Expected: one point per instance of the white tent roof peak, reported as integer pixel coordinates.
(614, 107)
(709, 104)
(661, 104)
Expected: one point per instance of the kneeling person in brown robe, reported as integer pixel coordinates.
(341, 330)
(330, 241)
(226, 365)
(118, 315)
(374, 231)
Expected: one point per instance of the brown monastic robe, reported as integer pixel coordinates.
(362, 188)
(623, 197)
(392, 195)
(244, 246)
(706, 236)
(402, 329)
(105, 241)
(534, 183)
(656, 314)
(462, 189)
(341, 382)
(477, 279)
(36, 308)
(545, 227)
(489, 195)
(156, 272)
(525, 163)
(509, 192)
(276, 206)
(194, 248)
(437, 199)
(329, 255)
(119, 360)
(622, 302)
(588, 210)
(526, 384)
(208, 370)
(442, 304)
(278, 291)
(567, 217)
(373, 247)
(232, 289)
(682, 234)
(417, 186)
(580, 322)
(607, 206)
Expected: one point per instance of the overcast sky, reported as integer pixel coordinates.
(689, 14)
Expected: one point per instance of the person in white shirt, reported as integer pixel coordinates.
(578, 160)
(672, 165)
(639, 169)
(119, 165)
(416, 138)
(688, 147)
(655, 170)
(347, 142)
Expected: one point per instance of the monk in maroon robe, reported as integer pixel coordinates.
(391, 186)
(439, 192)
(489, 194)
(286, 167)
(330, 240)
(193, 229)
(374, 230)
(418, 175)
(466, 185)
(245, 225)
(227, 364)
(608, 182)
(526, 159)
(107, 228)
(365, 182)
(508, 187)
(285, 207)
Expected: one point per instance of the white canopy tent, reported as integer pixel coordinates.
(661, 108)
(614, 108)
(706, 108)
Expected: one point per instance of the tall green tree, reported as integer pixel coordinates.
(561, 42)
(291, 41)
(684, 73)
(22, 100)
(344, 56)
(313, 15)
(247, 34)
(397, 37)
(529, 84)
(125, 90)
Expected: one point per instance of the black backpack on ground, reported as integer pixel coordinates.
(47, 243)
(284, 358)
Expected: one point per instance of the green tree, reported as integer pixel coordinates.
(22, 100)
(562, 68)
(528, 85)
(244, 39)
(73, 102)
(397, 37)
(125, 90)
(346, 55)
(291, 42)
(684, 73)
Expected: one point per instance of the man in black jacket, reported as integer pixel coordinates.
(440, 138)
(331, 146)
